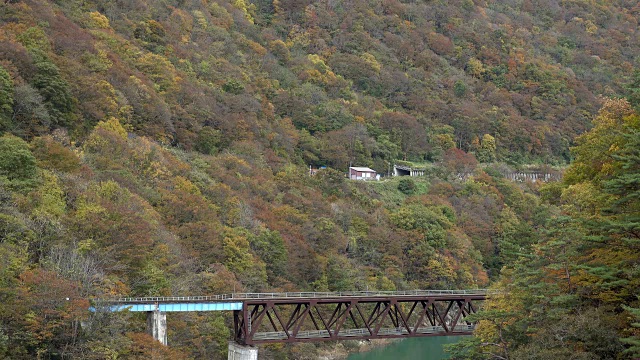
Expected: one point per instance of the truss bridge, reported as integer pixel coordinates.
(323, 316)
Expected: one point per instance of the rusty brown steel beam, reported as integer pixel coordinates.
(364, 321)
(300, 320)
(340, 321)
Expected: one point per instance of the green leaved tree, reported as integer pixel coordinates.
(6, 99)
(17, 163)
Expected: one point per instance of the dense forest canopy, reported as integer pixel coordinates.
(575, 293)
(162, 147)
(325, 83)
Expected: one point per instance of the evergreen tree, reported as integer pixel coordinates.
(17, 163)
(6, 99)
(624, 213)
(634, 89)
(53, 88)
(633, 341)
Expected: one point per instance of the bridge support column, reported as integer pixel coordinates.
(157, 325)
(241, 352)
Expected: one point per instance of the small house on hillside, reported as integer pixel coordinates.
(362, 173)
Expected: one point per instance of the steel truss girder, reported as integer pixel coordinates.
(322, 319)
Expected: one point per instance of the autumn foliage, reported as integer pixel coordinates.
(162, 148)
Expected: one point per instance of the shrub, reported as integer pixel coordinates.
(407, 186)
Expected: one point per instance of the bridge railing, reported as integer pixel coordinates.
(298, 295)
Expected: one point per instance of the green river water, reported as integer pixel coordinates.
(427, 348)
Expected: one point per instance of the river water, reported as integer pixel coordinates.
(426, 348)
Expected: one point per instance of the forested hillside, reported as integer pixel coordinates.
(325, 83)
(575, 294)
(162, 147)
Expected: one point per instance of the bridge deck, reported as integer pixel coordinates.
(296, 296)
(178, 306)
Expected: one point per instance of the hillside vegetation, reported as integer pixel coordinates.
(161, 147)
(575, 294)
(325, 83)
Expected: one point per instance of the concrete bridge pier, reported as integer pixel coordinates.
(242, 352)
(157, 325)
